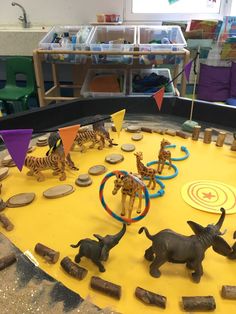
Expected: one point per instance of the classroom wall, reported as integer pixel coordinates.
(58, 12)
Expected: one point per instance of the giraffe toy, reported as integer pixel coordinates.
(163, 156)
(129, 187)
(145, 171)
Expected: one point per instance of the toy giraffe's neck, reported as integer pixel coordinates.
(140, 165)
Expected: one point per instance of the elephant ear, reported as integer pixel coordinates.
(100, 238)
(197, 229)
(221, 247)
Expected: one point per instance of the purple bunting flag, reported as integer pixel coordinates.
(17, 143)
(187, 70)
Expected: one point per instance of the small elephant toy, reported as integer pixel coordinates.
(169, 246)
(98, 251)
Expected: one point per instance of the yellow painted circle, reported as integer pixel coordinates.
(210, 196)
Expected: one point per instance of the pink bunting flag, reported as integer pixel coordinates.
(158, 96)
(17, 143)
(187, 70)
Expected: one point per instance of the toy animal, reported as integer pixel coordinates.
(163, 156)
(98, 251)
(55, 160)
(129, 187)
(94, 136)
(145, 171)
(169, 246)
(53, 138)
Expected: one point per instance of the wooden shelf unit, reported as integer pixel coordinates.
(79, 71)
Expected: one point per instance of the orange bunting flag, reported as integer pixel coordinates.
(117, 119)
(68, 135)
(158, 96)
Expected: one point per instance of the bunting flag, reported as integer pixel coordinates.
(117, 119)
(68, 135)
(158, 96)
(187, 70)
(17, 143)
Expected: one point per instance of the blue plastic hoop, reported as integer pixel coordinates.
(160, 192)
(183, 149)
(164, 177)
(114, 215)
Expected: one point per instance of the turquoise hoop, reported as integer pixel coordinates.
(183, 149)
(164, 177)
(160, 192)
(110, 212)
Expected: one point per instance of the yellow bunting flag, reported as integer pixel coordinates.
(68, 135)
(117, 119)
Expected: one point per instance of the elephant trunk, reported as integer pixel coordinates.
(148, 235)
(221, 220)
(116, 237)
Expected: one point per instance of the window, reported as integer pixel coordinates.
(159, 10)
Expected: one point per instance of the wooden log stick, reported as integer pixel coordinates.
(7, 261)
(171, 132)
(228, 292)
(199, 303)
(73, 269)
(181, 134)
(145, 129)
(149, 297)
(49, 254)
(106, 287)
(6, 223)
(160, 131)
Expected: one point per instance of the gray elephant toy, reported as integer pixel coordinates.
(169, 246)
(98, 251)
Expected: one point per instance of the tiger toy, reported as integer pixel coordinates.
(94, 136)
(55, 160)
(52, 140)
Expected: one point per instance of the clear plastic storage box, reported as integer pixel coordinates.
(113, 38)
(157, 38)
(148, 81)
(67, 38)
(161, 37)
(113, 83)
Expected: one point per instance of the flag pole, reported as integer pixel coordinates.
(190, 124)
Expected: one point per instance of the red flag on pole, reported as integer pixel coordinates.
(158, 96)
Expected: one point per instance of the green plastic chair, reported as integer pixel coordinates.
(11, 92)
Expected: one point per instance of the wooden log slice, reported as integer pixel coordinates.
(137, 137)
(128, 147)
(3, 172)
(59, 191)
(133, 128)
(114, 158)
(97, 170)
(83, 180)
(31, 149)
(21, 199)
